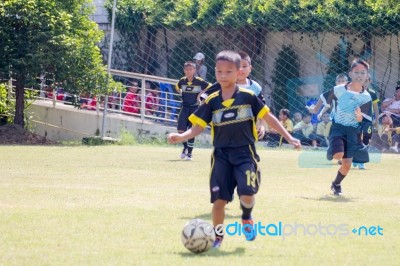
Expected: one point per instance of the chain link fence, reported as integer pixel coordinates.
(297, 47)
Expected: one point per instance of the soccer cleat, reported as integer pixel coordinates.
(217, 242)
(189, 157)
(248, 227)
(183, 154)
(361, 166)
(336, 189)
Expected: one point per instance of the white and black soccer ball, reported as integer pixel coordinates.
(198, 236)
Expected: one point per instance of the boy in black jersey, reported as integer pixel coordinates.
(189, 87)
(232, 113)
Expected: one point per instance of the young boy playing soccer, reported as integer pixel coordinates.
(232, 113)
(243, 81)
(351, 100)
(189, 87)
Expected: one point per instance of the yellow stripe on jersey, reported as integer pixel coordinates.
(265, 110)
(211, 96)
(195, 120)
(228, 103)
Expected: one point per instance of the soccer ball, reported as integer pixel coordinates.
(198, 236)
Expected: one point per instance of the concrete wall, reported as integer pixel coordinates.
(64, 122)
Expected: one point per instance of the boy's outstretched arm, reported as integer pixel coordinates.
(315, 108)
(274, 123)
(174, 138)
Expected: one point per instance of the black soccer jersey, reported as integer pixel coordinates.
(233, 121)
(190, 90)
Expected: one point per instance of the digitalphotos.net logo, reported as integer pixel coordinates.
(286, 230)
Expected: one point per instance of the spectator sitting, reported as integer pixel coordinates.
(392, 107)
(131, 103)
(297, 118)
(323, 129)
(90, 103)
(272, 136)
(383, 138)
(303, 131)
(152, 98)
(395, 139)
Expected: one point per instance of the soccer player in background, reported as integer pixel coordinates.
(232, 113)
(350, 101)
(369, 120)
(189, 87)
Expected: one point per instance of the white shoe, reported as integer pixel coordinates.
(183, 154)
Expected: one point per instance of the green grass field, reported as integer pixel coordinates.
(126, 205)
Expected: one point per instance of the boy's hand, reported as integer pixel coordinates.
(358, 114)
(296, 143)
(174, 138)
(260, 131)
(310, 108)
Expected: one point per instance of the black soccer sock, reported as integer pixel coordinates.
(185, 145)
(190, 145)
(366, 139)
(339, 178)
(246, 210)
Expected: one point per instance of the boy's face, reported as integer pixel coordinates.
(341, 81)
(245, 69)
(385, 120)
(325, 118)
(189, 71)
(282, 117)
(359, 74)
(297, 117)
(307, 119)
(226, 73)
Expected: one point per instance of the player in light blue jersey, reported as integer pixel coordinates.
(348, 101)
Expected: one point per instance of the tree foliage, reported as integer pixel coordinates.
(49, 36)
(285, 76)
(380, 16)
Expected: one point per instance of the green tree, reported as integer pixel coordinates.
(285, 76)
(338, 64)
(50, 36)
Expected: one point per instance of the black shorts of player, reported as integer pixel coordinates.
(366, 129)
(231, 168)
(183, 118)
(347, 139)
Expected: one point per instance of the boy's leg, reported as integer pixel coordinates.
(182, 127)
(190, 144)
(218, 217)
(222, 187)
(248, 178)
(247, 204)
(341, 174)
(218, 212)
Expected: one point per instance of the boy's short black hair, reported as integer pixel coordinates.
(189, 63)
(359, 61)
(245, 56)
(230, 56)
(341, 76)
(285, 112)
